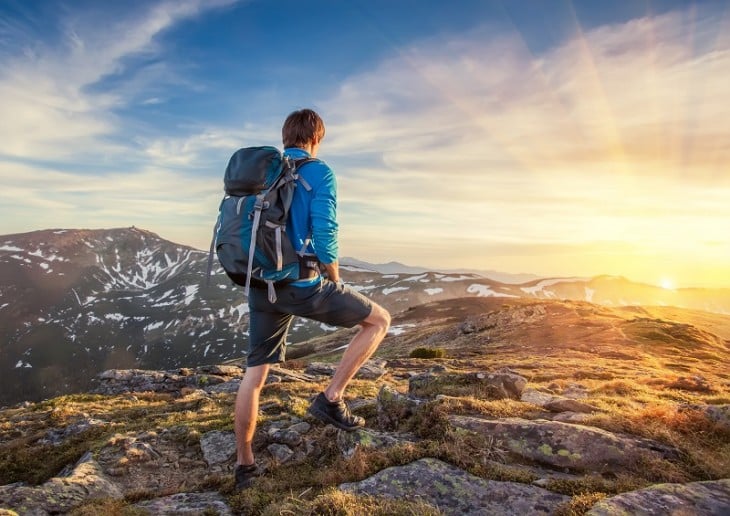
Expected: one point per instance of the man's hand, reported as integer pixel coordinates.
(333, 271)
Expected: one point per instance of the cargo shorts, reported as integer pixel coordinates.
(325, 302)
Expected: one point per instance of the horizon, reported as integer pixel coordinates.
(571, 139)
(664, 284)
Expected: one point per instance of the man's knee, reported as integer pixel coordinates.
(254, 377)
(379, 317)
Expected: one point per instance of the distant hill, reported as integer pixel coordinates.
(75, 302)
(400, 268)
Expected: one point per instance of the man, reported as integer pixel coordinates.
(312, 217)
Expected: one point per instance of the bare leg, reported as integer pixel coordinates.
(361, 347)
(247, 411)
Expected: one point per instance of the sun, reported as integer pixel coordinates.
(667, 283)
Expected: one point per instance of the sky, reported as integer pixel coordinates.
(558, 138)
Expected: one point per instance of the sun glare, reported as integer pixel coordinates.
(667, 283)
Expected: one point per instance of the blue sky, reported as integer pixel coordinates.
(557, 138)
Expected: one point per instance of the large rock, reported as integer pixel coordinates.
(118, 381)
(371, 370)
(454, 491)
(555, 403)
(187, 503)
(60, 494)
(500, 384)
(350, 442)
(705, 498)
(217, 446)
(566, 445)
(719, 414)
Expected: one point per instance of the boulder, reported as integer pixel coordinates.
(710, 498)
(56, 436)
(217, 446)
(456, 492)
(119, 381)
(281, 452)
(555, 403)
(566, 445)
(187, 503)
(371, 370)
(500, 384)
(60, 494)
(719, 414)
(350, 442)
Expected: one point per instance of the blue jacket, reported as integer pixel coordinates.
(314, 211)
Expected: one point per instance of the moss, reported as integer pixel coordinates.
(109, 507)
(579, 504)
(335, 503)
(425, 352)
(546, 449)
(23, 460)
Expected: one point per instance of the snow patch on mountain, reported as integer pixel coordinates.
(485, 291)
(540, 286)
(462, 277)
(400, 328)
(390, 290)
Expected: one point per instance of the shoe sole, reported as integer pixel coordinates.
(325, 418)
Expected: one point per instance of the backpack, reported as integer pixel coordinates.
(250, 236)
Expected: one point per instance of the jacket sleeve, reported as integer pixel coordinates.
(324, 218)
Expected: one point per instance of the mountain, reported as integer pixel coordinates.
(76, 302)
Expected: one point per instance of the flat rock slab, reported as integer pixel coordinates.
(362, 438)
(556, 403)
(217, 446)
(697, 498)
(373, 369)
(454, 491)
(565, 445)
(187, 503)
(60, 494)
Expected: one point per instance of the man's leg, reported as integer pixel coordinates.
(361, 347)
(247, 411)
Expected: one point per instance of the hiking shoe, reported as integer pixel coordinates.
(245, 475)
(335, 413)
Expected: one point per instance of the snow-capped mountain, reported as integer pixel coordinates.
(76, 302)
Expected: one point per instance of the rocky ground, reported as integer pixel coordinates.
(518, 417)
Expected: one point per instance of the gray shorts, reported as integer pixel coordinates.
(324, 302)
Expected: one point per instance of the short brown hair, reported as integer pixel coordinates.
(301, 128)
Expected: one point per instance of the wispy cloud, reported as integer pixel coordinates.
(50, 106)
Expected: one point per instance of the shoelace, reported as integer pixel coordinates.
(346, 412)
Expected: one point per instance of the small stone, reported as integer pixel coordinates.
(288, 437)
(280, 452)
(301, 428)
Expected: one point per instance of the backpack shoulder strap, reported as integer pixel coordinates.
(299, 163)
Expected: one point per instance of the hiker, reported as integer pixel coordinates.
(314, 296)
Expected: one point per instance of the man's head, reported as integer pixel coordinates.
(303, 129)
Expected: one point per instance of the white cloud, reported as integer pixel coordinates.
(619, 133)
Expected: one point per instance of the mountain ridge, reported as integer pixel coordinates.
(74, 302)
